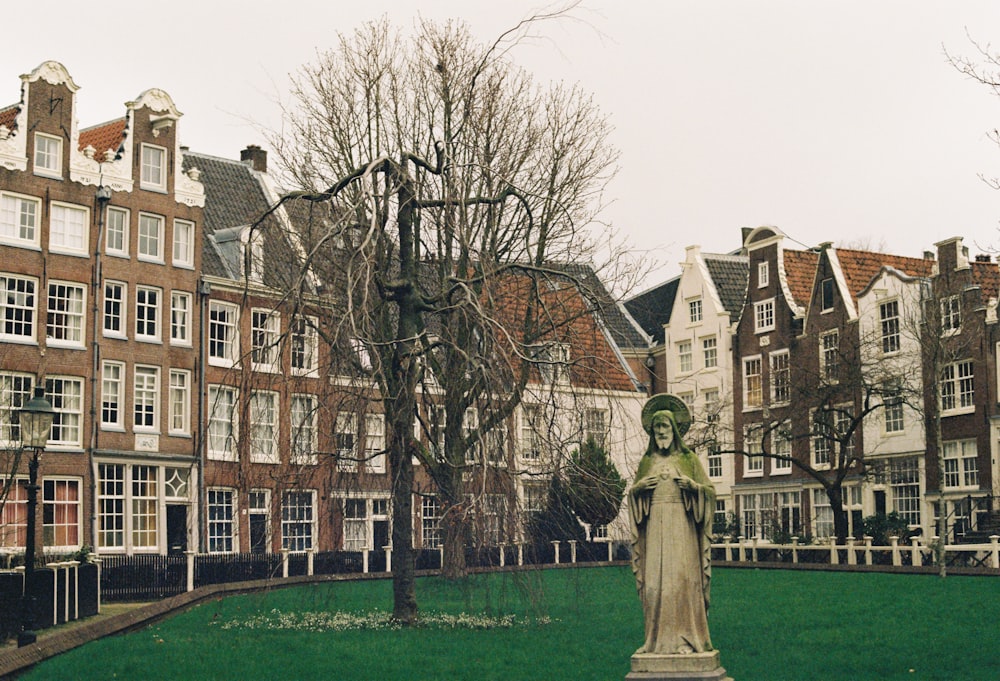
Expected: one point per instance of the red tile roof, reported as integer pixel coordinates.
(987, 276)
(8, 115)
(860, 267)
(800, 272)
(103, 137)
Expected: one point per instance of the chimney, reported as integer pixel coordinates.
(928, 255)
(982, 257)
(255, 157)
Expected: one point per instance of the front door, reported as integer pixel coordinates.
(176, 528)
(380, 534)
(258, 533)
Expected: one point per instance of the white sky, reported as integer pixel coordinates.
(835, 121)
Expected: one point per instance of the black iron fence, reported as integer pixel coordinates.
(151, 577)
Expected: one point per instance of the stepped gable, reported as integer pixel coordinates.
(105, 137)
(860, 267)
(730, 274)
(800, 272)
(652, 309)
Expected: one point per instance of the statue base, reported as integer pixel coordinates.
(692, 667)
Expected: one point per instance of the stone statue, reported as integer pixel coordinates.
(671, 506)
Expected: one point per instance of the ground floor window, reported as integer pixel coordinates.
(132, 510)
(430, 522)
(221, 520)
(14, 515)
(904, 482)
(822, 514)
(298, 520)
(61, 513)
(789, 514)
(366, 523)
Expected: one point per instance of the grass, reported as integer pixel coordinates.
(769, 625)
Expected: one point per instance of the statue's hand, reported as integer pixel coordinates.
(646, 483)
(685, 482)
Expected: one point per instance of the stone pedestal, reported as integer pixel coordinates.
(693, 667)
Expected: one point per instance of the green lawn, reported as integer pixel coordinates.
(769, 625)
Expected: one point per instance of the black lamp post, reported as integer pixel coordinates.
(35, 419)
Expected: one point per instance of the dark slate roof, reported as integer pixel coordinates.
(624, 330)
(730, 274)
(652, 308)
(234, 199)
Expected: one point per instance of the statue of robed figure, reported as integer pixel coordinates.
(671, 506)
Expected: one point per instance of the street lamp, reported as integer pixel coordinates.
(35, 419)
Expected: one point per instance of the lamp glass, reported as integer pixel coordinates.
(36, 420)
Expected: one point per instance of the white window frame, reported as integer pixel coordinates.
(16, 388)
(888, 317)
(183, 244)
(957, 393)
(298, 516)
(20, 217)
(223, 423)
(781, 377)
(180, 318)
(223, 333)
(715, 463)
(530, 440)
(69, 228)
(824, 284)
(951, 315)
(153, 168)
(685, 357)
(753, 396)
(180, 402)
(961, 464)
(149, 245)
(375, 443)
(304, 433)
(304, 340)
(829, 356)
(781, 445)
(23, 313)
(147, 315)
(265, 330)
(47, 156)
(221, 505)
(346, 425)
(119, 228)
(754, 459)
(113, 396)
(68, 405)
(696, 312)
(66, 301)
(710, 352)
(111, 315)
(763, 274)
(265, 409)
(430, 522)
(66, 514)
(763, 316)
(146, 398)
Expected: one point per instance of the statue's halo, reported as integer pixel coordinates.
(666, 402)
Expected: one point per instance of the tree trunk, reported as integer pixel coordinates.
(453, 531)
(840, 525)
(403, 404)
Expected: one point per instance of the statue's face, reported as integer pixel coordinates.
(663, 434)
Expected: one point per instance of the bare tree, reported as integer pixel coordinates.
(458, 189)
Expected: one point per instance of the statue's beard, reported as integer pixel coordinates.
(664, 442)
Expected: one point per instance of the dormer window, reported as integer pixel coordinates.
(153, 173)
(951, 315)
(48, 155)
(694, 310)
(826, 294)
(763, 274)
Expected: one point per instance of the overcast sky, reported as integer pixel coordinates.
(835, 121)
